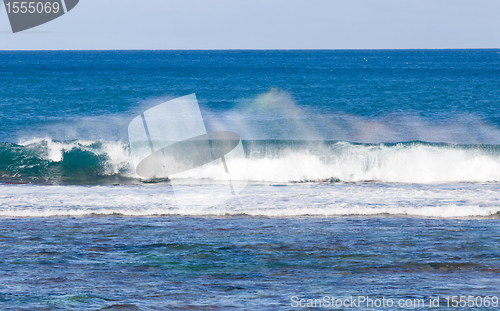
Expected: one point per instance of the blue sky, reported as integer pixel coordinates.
(265, 24)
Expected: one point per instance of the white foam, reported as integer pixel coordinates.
(459, 200)
(405, 163)
(353, 163)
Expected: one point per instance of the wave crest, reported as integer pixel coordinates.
(91, 162)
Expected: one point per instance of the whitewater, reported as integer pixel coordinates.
(340, 199)
(48, 161)
(43, 177)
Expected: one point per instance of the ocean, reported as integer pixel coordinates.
(372, 182)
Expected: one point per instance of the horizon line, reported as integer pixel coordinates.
(280, 49)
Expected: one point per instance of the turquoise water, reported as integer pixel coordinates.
(370, 173)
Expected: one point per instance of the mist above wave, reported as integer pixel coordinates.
(277, 115)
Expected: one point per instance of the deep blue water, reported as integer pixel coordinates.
(41, 89)
(371, 173)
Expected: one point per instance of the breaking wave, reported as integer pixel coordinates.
(276, 161)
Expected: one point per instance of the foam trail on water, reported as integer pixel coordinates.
(459, 200)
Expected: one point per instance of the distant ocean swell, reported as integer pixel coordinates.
(44, 161)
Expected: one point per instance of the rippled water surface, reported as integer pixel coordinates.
(206, 263)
